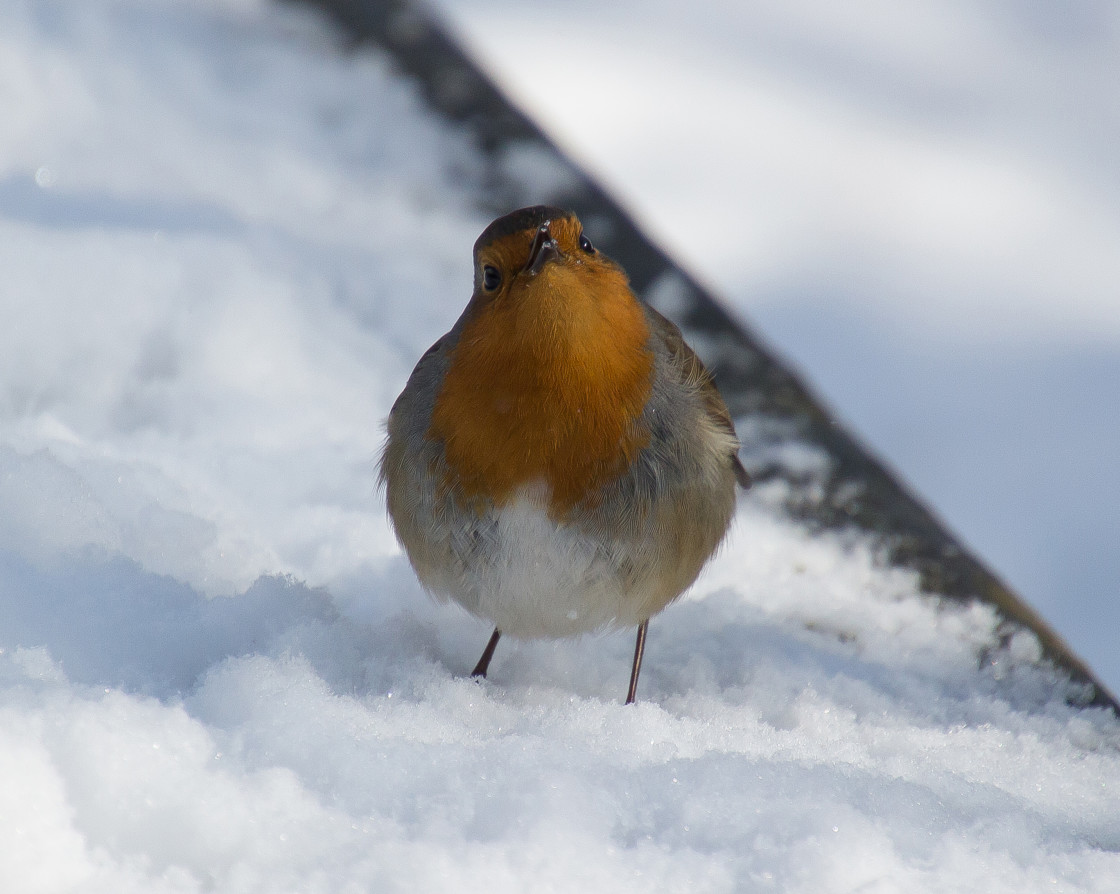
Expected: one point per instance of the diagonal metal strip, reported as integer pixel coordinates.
(772, 405)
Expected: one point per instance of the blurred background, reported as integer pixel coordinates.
(916, 202)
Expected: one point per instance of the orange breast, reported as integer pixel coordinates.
(547, 384)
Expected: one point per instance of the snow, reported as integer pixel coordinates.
(224, 244)
(915, 202)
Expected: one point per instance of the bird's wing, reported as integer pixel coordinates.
(696, 372)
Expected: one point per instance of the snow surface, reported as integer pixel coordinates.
(917, 202)
(224, 245)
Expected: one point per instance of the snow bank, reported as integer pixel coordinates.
(225, 243)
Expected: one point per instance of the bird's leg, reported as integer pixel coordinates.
(639, 648)
(484, 662)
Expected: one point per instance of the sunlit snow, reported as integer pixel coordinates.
(224, 243)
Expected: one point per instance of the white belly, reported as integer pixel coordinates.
(535, 578)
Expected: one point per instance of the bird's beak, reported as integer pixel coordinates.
(543, 250)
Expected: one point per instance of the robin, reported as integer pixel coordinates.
(560, 461)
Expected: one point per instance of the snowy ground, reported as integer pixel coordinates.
(224, 246)
(917, 202)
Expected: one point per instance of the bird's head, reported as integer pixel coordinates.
(540, 257)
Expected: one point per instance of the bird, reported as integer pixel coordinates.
(560, 462)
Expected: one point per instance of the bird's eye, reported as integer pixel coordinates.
(491, 278)
(585, 244)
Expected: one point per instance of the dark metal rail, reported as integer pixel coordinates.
(855, 489)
